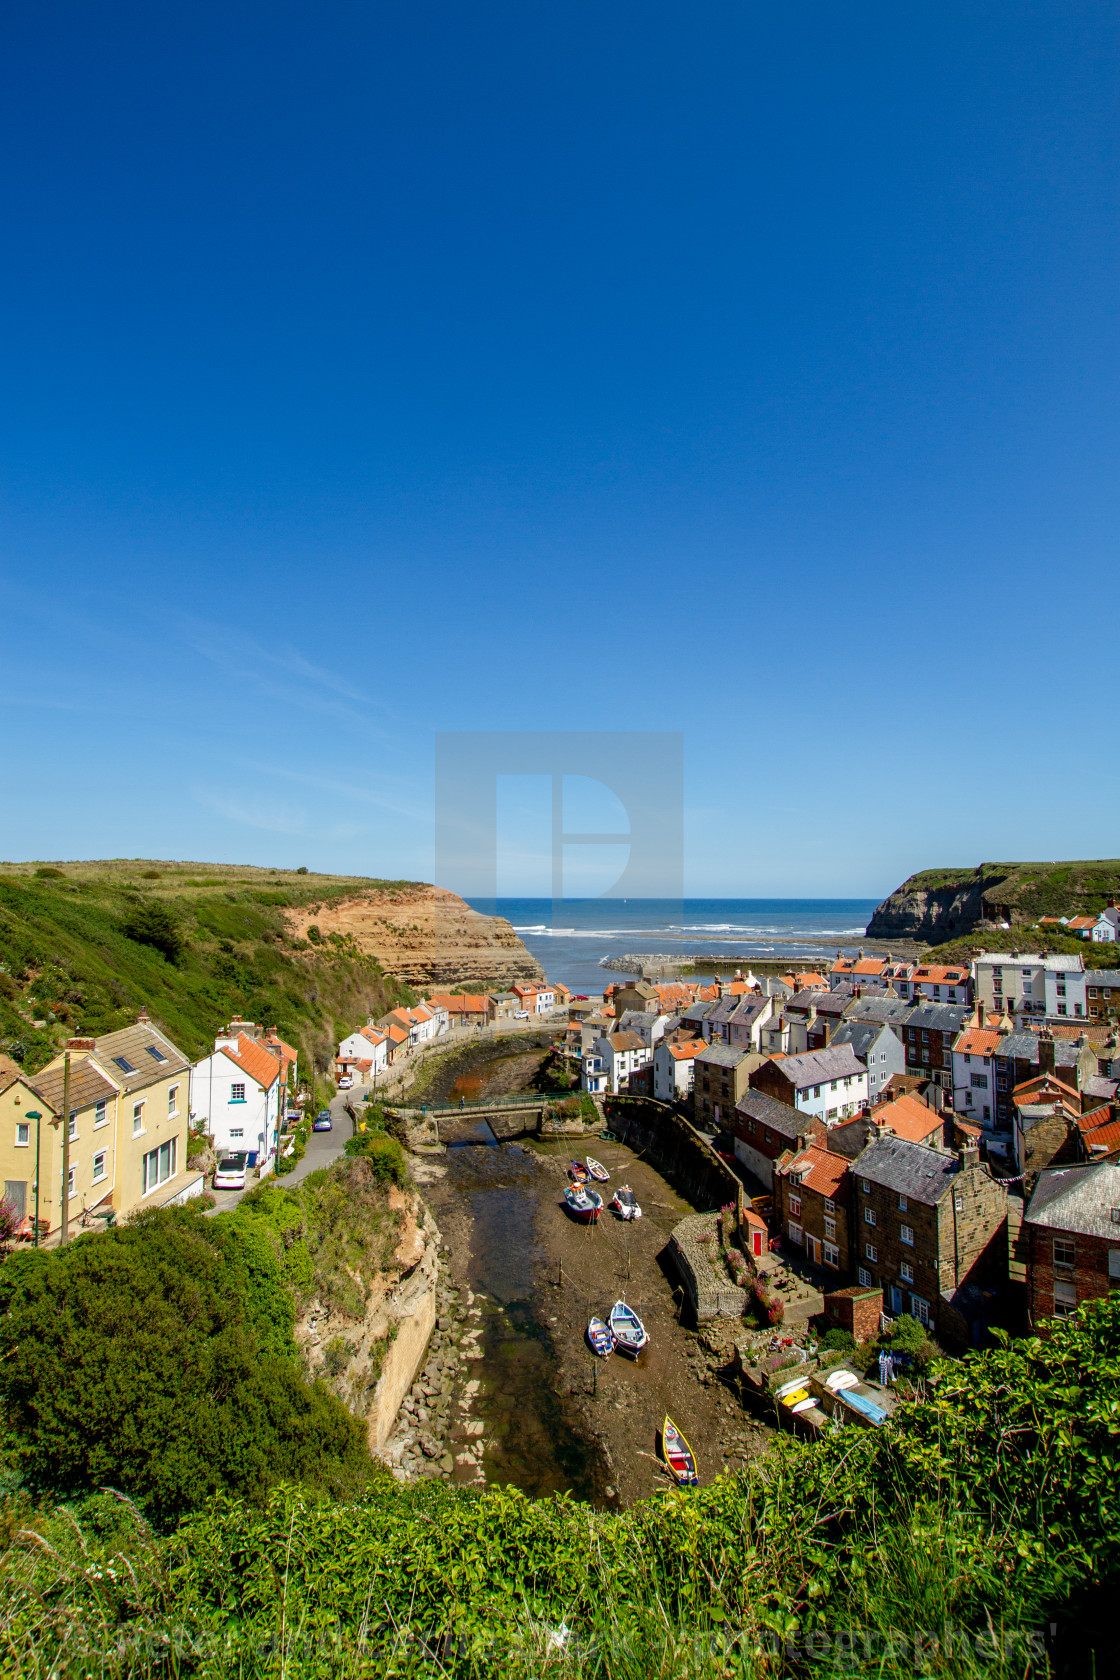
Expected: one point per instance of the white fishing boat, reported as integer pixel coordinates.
(601, 1338)
(629, 1331)
(583, 1202)
(597, 1169)
(625, 1203)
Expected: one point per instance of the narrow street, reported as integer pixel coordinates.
(323, 1148)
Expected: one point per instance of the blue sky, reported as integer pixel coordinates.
(742, 370)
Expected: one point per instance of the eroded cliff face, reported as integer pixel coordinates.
(935, 906)
(425, 935)
(371, 1362)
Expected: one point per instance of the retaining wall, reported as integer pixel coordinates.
(665, 1138)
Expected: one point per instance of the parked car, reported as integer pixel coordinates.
(230, 1172)
(521, 1014)
(346, 1081)
(322, 1121)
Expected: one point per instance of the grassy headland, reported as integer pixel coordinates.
(83, 945)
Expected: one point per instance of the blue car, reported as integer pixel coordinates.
(322, 1122)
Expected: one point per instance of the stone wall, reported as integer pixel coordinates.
(675, 1148)
(856, 1310)
(700, 1264)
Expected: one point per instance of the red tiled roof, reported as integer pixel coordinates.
(254, 1060)
(978, 1041)
(910, 1118)
(688, 1049)
(941, 974)
(1103, 1139)
(818, 1169)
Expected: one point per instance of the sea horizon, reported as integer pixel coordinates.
(569, 939)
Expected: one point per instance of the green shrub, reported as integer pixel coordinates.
(387, 1160)
(158, 1359)
(838, 1341)
(154, 924)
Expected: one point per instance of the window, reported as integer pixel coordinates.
(829, 1205)
(23, 1133)
(99, 1166)
(832, 1255)
(906, 1272)
(870, 1217)
(72, 1128)
(124, 1064)
(15, 1194)
(1065, 1298)
(865, 1277)
(979, 1082)
(156, 1055)
(172, 1101)
(919, 1309)
(1114, 1265)
(1065, 1254)
(70, 1190)
(159, 1166)
(870, 1252)
(237, 1093)
(137, 1119)
(237, 1131)
(100, 1115)
(958, 1203)
(795, 1234)
(906, 1234)
(795, 1206)
(830, 1227)
(866, 1186)
(902, 1204)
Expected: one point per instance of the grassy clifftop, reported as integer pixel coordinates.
(944, 904)
(83, 945)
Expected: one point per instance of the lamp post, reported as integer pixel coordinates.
(33, 1114)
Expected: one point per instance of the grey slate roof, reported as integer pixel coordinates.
(939, 1017)
(722, 1055)
(1023, 1047)
(913, 1170)
(818, 1067)
(1081, 1199)
(861, 1035)
(783, 1118)
(749, 1008)
(890, 1010)
(1102, 976)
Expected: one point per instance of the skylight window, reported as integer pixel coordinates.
(158, 1055)
(124, 1064)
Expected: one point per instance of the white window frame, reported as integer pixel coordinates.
(23, 1142)
(234, 1089)
(870, 1252)
(831, 1255)
(919, 1309)
(99, 1170)
(138, 1126)
(172, 1101)
(100, 1114)
(870, 1217)
(865, 1278)
(906, 1272)
(906, 1235)
(149, 1183)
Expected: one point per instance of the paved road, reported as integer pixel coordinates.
(322, 1149)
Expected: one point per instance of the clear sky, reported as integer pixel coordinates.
(740, 369)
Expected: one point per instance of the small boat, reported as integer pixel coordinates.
(577, 1170)
(583, 1202)
(625, 1203)
(629, 1331)
(841, 1379)
(601, 1338)
(597, 1169)
(678, 1455)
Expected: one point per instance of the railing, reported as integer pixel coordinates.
(465, 1105)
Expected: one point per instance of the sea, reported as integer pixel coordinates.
(571, 939)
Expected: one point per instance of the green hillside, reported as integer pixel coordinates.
(945, 904)
(84, 945)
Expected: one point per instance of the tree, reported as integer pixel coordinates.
(158, 1359)
(155, 924)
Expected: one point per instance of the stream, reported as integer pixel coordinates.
(530, 1440)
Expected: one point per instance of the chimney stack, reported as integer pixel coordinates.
(143, 1015)
(1045, 1052)
(980, 1013)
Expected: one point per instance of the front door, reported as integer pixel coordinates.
(896, 1300)
(812, 1249)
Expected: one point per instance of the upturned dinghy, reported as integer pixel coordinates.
(597, 1169)
(625, 1203)
(678, 1455)
(583, 1202)
(600, 1337)
(629, 1331)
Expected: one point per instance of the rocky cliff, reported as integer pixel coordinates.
(937, 905)
(423, 934)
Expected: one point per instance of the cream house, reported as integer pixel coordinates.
(129, 1104)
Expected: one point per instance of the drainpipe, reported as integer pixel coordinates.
(65, 1232)
(38, 1119)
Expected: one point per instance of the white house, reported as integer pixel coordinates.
(594, 1075)
(1028, 985)
(1104, 929)
(674, 1066)
(365, 1052)
(649, 1027)
(877, 1047)
(535, 999)
(831, 1083)
(974, 1072)
(621, 1053)
(235, 1096)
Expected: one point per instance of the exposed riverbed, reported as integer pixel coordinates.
(530, 1404)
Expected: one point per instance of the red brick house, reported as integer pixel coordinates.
(1073, 1231)
(811, 1196)
(766, 1129)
